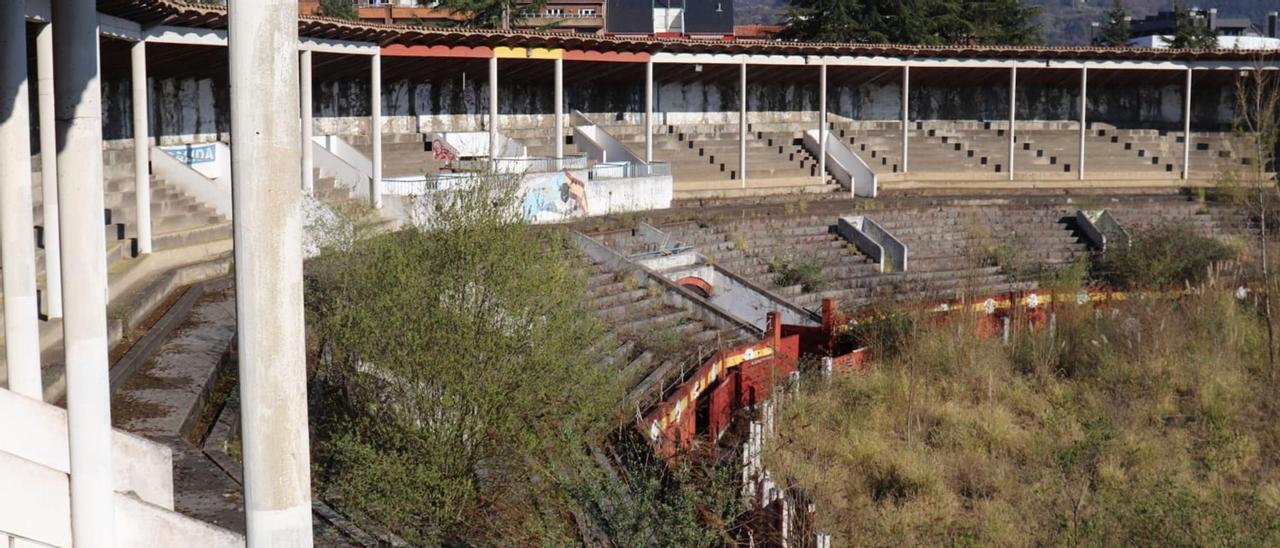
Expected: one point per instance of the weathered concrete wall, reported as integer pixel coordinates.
(196, 110)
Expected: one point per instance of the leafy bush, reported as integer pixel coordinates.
(453, 370)
(886, 333)
(805, 273)
(1162, 257)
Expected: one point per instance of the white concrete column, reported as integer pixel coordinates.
(1013, 115)
(559, 96)
(742, 123)
(49, 173)
(493, 108)
(1186, 128)
(906, 112)
(141, 147)
(17, 229)
(268, 235)
(1084, 111)
(375, 129)
(78, 104)
(648, 111)
(308, 122)
(822, 122)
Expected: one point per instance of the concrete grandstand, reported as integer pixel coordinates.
(741, 156)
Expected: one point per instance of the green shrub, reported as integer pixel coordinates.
(455, 370)
(806, 273)
(1162, 257)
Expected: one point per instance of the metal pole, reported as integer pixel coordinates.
(78, 105)
(141, 147)
(1013, 114)
(822, 122)
(267, 221)
(1084, 108)
(493, 108)
(18, 250)
(648, 111)
(559, 93)
(1186, 129)
(308, 122)
(906, 111)
(49, 173)
(375, 128)
(742, 123)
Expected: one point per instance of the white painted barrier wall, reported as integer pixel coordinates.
(210, 185)
(845, 165)
(140, 465)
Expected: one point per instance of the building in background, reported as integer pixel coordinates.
(708, 19)
(1156, 31)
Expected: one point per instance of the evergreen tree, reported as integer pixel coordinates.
(342, 9)
(1192, 31)
(927, 22)
(1117, 30)
(491, 14)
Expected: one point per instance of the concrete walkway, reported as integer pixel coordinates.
(164, 401)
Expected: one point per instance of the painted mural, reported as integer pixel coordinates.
(554, 196)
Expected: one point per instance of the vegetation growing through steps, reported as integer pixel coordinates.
(1151, 427)
(460, 380)
(1163, 257)
(806, 273)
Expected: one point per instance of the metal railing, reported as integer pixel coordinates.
(623, 170)
(409, 186)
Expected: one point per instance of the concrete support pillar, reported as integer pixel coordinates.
(308, 122)
(375, 129)
(78, 104)
(493, 108)
(1013, 115)
(17, 229)
(1186, 128)
(742, 123)
(822, 122)
(1084, 110)
(906, 112)
(49, 173)
(648, 111)
(559, 97)
(141, 147)
(267, 222)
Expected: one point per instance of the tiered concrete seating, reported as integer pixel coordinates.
(704, 158)
(657, 344)
(960, 151)
(951, 251)
(403, 154)
(189, 242)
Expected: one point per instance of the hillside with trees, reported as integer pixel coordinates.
(1061, 22)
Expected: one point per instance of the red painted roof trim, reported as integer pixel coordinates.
(400, 50)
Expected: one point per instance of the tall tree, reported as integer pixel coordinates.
(491, 13)
(342, 9)
(1192, 31)
(1117, 31)
(928, 22)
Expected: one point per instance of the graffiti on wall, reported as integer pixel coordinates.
(193, 154)
(554, 196)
